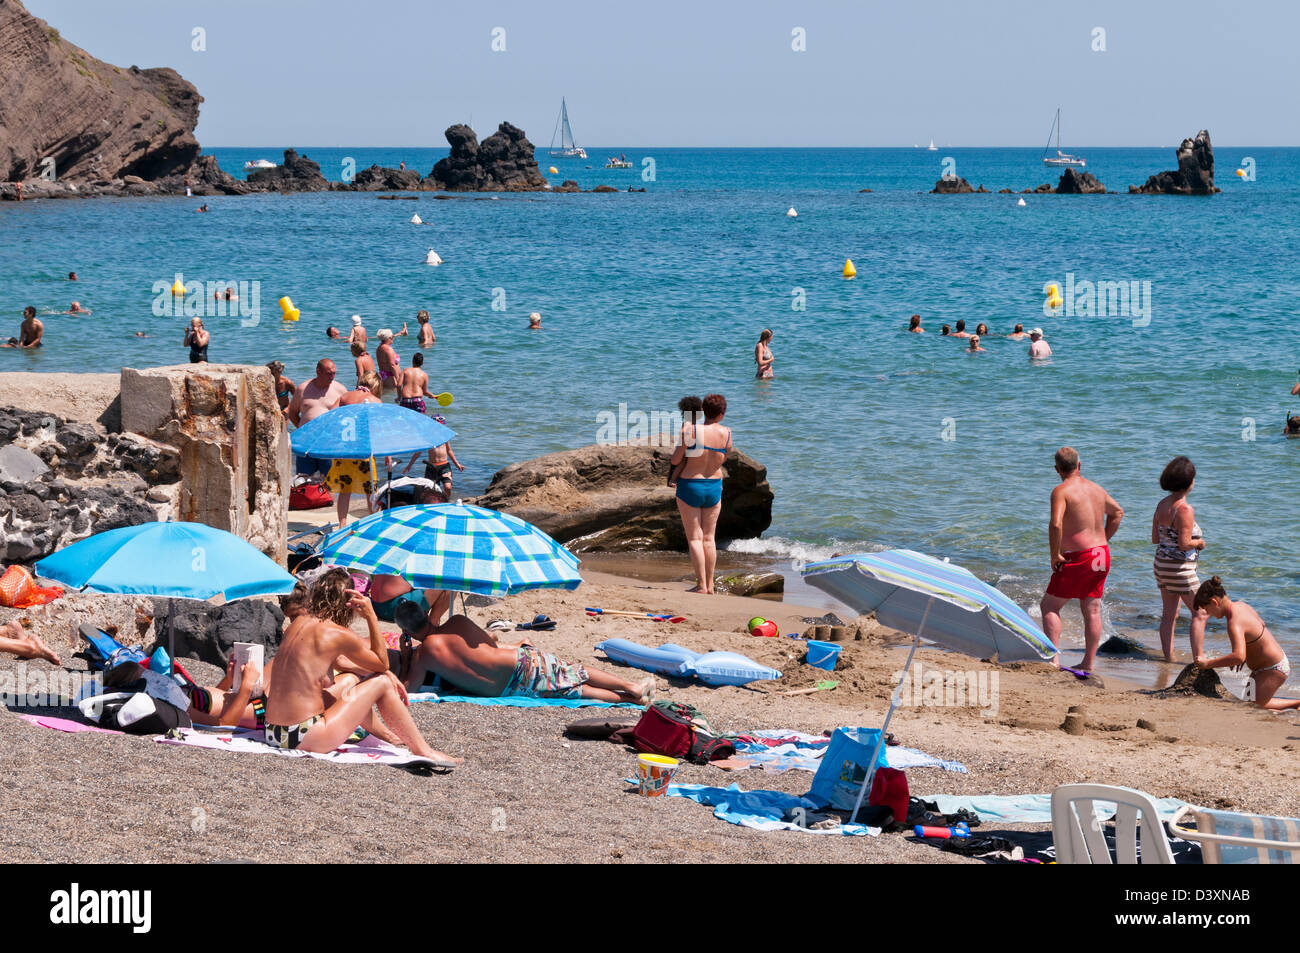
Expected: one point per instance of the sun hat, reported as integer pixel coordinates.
(356, 319)
(1038, 331)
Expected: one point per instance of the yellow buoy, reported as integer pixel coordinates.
(1241, 173)
(178, 288)
(553, 170)
(849, 270)
(1054, 299)
(287, 311)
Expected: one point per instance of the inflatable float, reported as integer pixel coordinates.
(675, 661)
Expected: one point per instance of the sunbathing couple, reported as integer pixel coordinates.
(326, 680)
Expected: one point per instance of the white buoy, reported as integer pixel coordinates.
(1021, 203)
(432, 258)
(791, 213)
(416, 220)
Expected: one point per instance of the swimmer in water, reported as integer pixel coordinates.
(763, 355)
(945, 331)
(332, 333)
(1018, 334)
(975, 343)
(961, 331)
(1292, 428)
(76, 308)
(534, 322)
(914, 325)
(982, 330)
(12, 342)
(72, 276)
(141, 334)
(202, 208)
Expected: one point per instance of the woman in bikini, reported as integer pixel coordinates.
(701, 452)
(197, 338)
(1178, 543)
(763, 355)
(1252, 645)
(284, 388)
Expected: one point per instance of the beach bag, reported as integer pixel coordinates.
(679, 731)
(18, 590)
(311, 495)
(844, 768)
(889, 789)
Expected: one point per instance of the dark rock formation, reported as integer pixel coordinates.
(1079, 183)
(1131, 648)
(95, 120)
(615, 497)
(750, 583)
(208, 633)
(296, 174)
(1194, 175)
(604, 188)
(206, 178)
(568, 185)
(860, 191)
(952, 185)
(503, 162)
(1004, 191)
(377, 178)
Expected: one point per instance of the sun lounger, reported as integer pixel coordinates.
(1078, 834)
(1227, 837)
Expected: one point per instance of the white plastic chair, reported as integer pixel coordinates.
(1078, 835)
(1228, 837)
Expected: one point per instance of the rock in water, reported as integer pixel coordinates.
(95, 120)
(1079, 183)
(503, 162)
(607, 497)
(750, 583)
(377, 178)
(296, 174)
(951, 186)
(1194, 175)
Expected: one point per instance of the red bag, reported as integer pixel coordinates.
(889, 789)
(309, 496)
(679, 731)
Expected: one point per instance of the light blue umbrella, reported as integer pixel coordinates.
(916, 593)
(454, 546)
(362, 431)
(173, 560)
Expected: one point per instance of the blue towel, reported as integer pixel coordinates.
(1028, 808)
(518, 701)
(761, 810)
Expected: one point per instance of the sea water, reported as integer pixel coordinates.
(872, 437)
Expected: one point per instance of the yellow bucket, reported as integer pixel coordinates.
(654, 772)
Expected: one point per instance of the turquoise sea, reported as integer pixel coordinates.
(872, 437)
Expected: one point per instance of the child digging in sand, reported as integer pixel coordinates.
(1252, 645)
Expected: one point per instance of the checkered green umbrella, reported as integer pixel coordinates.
(454, 546)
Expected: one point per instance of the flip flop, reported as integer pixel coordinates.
(424, 767)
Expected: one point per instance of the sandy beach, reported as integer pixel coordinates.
(526, 793)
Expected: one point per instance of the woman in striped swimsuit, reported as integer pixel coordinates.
(1178, 543)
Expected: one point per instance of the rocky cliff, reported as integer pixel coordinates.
(1194, 175)
(503, 162)
(95, 121)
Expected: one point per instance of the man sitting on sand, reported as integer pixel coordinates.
(16, 640)
(298, 715)
(1084, 518)
(469, 657)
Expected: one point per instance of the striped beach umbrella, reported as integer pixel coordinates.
(934, 599)
(454, 546)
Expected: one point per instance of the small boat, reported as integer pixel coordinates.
(933, 147)
(618, 163)
(568, 148)
(259, 164)
(1061, 158)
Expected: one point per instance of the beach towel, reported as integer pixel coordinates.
(1027, 808)
(1256, 826)
(369, 750)
(65, 724)
(519, 701)
(764, 810)
(781, 749)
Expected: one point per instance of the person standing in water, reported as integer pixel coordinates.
(389, 362)
(702, 451)
(763, 355)
(426, 338)
(415, 386)
(31, 331)
(363, 363)
(197, 338)
(284, 388)
(914, 325)
(1252, 645)
(1178, 543)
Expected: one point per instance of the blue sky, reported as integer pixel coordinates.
(720, 73)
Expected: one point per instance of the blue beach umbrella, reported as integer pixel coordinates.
(924, 596)
(454, 546)
(362, 431)
(173, 560)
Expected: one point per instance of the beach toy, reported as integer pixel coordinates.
(1021, 203)
(728, 668)
(822, 654)
(416, 220)
(654, 772)
(767, 630)
(942, 833)
(432, 258)
(713, 668)
(791, 213)
(444, 399)
(849, 270)
(668, 659)
(178, 288)
(638, 615)
(754, 623)
(553, 170)
(287, 311)
(1241, 173)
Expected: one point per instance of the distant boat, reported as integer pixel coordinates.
(259, 164)
(933, 147)
(618, 163)
(568, 148)
(1061, 158)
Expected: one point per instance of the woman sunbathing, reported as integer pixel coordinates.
(223, 704)
(25, 645)
(299, 716)
(1252, 645)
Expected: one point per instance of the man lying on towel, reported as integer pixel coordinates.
(298, 715)
(460, 652)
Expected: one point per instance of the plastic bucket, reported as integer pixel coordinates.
(822, 654)
(653, 772)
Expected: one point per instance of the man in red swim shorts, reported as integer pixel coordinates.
(1084, 518)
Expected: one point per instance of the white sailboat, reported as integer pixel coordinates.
(933, 147)
(568, 148)
(1061, 158)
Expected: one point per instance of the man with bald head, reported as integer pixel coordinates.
(318, 395)
(1084, 518)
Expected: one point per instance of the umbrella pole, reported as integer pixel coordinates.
(893, 704)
